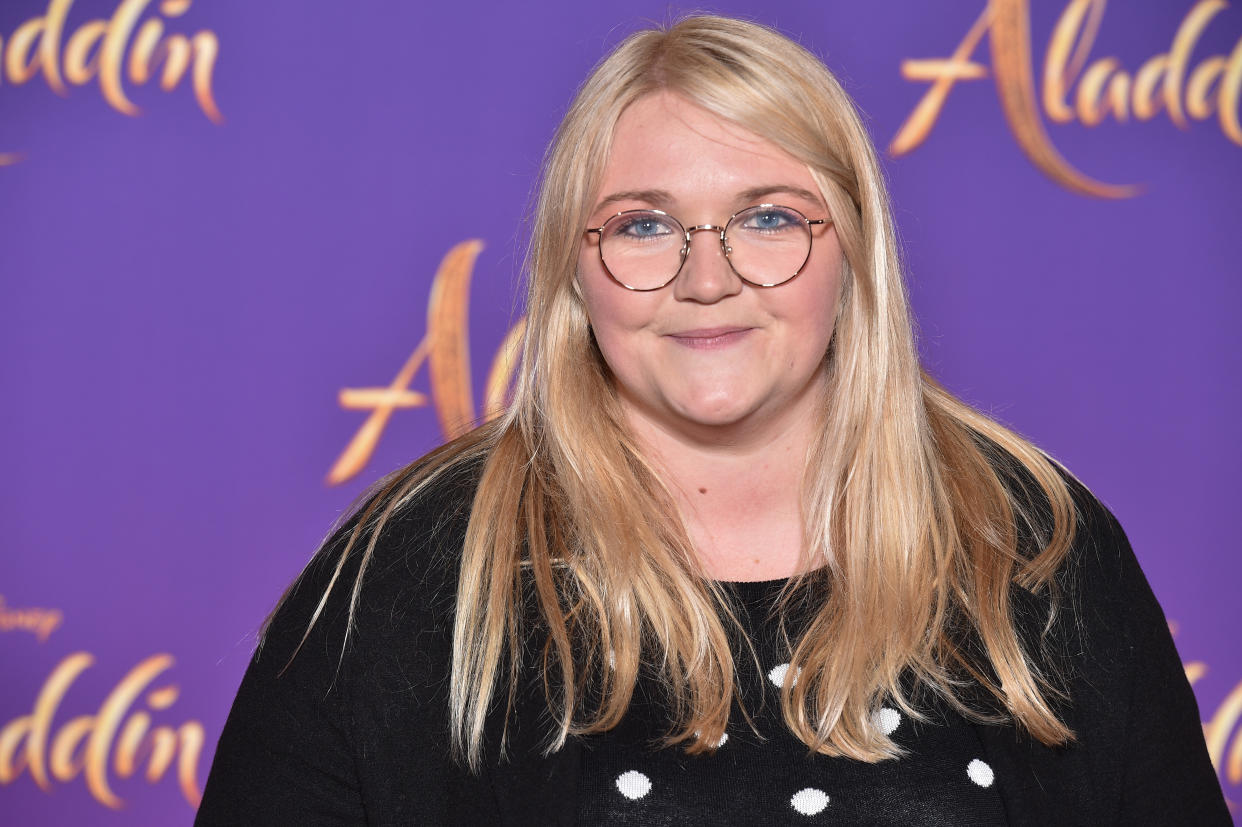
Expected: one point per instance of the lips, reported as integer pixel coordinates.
(708, 338)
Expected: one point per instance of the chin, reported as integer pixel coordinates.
(717, 415)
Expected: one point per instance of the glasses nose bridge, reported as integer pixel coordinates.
(720, 235)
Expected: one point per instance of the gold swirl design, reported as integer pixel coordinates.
(446, 349)
(125, 46)
(1100, 89)
(113, 740)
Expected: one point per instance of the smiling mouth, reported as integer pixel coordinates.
(710, 338)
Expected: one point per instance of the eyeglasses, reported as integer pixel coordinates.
(766, 245)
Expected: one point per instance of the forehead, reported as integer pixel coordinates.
(662, 142)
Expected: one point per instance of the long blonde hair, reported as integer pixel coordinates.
(912, 518)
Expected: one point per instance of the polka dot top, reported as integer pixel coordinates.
(771, 778)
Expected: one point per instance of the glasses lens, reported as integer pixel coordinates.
(768, 244)
(642, 248)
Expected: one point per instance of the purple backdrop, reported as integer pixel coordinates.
(190, 285)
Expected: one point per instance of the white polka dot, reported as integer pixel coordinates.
(612, 660)
(886, 720)
(724, 736)
(810, 801)
(633, 784)
(980, 773)
(777, 675)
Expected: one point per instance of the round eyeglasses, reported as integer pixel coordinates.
(766, 245)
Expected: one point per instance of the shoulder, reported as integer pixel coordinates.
(343, 689)
(1100, 598)
(387, 573)
(398, 551)
(1099, 548)
(1138, 756)
(1101, 572)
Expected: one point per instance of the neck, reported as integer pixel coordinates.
(739, 493)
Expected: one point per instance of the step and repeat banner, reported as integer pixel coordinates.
(255, 255)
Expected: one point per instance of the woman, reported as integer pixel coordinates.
(730, 556)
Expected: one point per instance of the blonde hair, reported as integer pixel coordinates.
(909, 500)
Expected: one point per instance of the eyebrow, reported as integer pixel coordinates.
(664, 197)
(755, 193)
(649, 196)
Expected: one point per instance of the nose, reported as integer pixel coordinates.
(706, 276)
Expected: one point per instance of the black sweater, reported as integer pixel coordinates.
(760, 773)
(361, 736)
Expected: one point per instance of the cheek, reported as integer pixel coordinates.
(813, 309)
(620, 352)
(612, 310)
(592, 286)
(618, 334)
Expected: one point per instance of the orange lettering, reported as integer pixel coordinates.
(1104, 89)
(1092, 103)
(1006, 22)
(97, 49)
(446, 347)
(1230, 91)
(1059, 68)
(943, 74)
(85, 744)
(80, 64)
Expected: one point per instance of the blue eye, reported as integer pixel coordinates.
(769, 219)
(647, 227)
(642, 226)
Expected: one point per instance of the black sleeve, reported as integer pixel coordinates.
(285, 755)
(357, 732)
(1166, 776)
